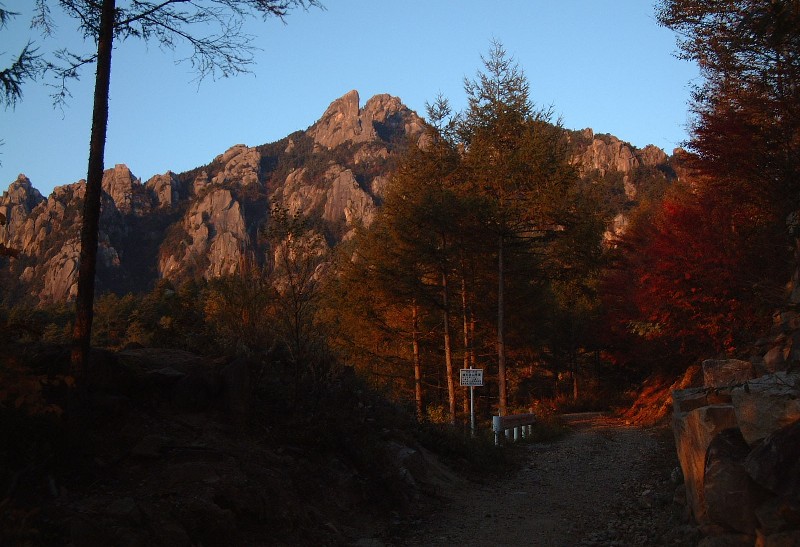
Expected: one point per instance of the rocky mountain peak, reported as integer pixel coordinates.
(345, 121)
(201, 223)
(15, 205)
(118, 183)
(652, 156)
(241, 165)
(21, 192)
(606, 153)
(165, 189)
(339, 123)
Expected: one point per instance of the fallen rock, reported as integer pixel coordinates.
(778, 515)
(685, 400)
(775, 463)
(766, 404)
(726, 372)
(730, 494)
(694, 431)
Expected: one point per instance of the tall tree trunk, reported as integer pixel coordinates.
(84, 302)
(575, 393)
(573, 359)
(465, 314)
(501, 343)
(417, 363)
(465, 319)
(448, 351)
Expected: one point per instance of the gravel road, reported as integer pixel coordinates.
(605, 483)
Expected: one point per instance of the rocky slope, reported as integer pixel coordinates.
(204, 222)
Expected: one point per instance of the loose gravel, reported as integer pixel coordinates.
(606, 483)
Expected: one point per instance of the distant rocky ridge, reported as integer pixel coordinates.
(204, 222)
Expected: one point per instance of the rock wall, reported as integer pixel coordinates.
(217, 233)
(738, 442)
(607, 153)
(16, 205)
(164, 189)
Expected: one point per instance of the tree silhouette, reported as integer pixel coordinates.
(27, 65)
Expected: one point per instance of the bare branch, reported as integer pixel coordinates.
(224, 51)
(42, 18)
(149, 9)
(66, 68)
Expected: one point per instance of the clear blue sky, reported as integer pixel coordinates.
(603, 64)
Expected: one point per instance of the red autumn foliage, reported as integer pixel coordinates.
(696, 275)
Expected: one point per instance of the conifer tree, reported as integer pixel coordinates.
(517, 159)
(422, 210)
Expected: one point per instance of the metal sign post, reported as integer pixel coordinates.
(471, 377)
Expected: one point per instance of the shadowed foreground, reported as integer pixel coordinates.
(605, 483)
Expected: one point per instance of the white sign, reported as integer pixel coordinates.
(471, 376)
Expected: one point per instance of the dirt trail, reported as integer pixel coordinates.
(605, 483)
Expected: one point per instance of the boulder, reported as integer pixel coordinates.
(685, 400)
(774, 359)
(766, 404)
(694, 430)
(726, 372)
(775, 463)
(730, 494)
(777, 515)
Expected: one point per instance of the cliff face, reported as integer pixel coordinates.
(606, 153)
(204, 222)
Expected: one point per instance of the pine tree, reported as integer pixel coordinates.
(516, 158)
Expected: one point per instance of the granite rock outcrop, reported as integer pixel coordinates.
(204, 222)
(605, 153)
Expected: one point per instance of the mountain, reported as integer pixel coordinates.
(204, 222)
